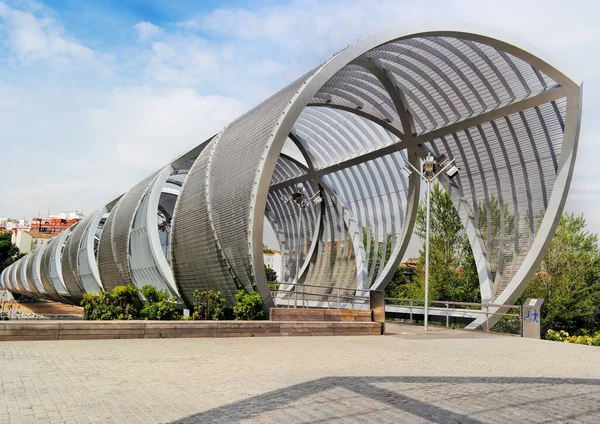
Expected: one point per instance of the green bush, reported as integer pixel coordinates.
(248, 306)
(122, 303)
(158, 306)
(209, 305)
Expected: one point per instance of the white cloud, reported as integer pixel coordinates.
(95, 145)
(148, 127)
(182, 61)
(147, 31)
(32, 38)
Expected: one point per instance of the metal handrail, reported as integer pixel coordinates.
(483, 311)
(471, 311)
(493, 305)
(296, 289)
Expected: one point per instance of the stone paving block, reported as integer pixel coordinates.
(443, 377)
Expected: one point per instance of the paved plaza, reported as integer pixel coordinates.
(406, 376)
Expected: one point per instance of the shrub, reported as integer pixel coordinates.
(585, 338)
(158, 306)
(122, 302)
(248, 306)
(126, 300)
(209, 305)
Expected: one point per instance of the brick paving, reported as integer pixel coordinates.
(407, 376)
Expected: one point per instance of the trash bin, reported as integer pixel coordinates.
(532, 317)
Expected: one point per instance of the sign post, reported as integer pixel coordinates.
(532, 318)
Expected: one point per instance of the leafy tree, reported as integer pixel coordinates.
(452, 270)
(569, 279)
(397, 286)
(8, 251)
(248, 306)
(209, 305)
(271, 274)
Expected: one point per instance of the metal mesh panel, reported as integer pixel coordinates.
(332, 136)
(215, 201)
(148, 264)
(56, 259)
(46, 270)
(87, 268)
(110, 276)
(124, 215)
(197, 262)
(33, 270)
(15, 281)
(26, 281)
(233, 174)
(3, 279)
(18, 278)
(445, 80)
(70, 263)
(284, 216)
(286, 169)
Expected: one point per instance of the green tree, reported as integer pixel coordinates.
(209, 305)
(271, 274)
(8, 251)
(452, 270)
(397, 287)
(569, 279)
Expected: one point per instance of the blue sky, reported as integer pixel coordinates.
(96, 95)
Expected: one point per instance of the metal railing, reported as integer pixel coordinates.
(416, 306)
(298, 295)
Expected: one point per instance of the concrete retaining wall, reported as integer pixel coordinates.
(90, 330)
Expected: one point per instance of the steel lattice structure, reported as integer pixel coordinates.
(510, 120)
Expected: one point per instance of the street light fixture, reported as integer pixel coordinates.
(299, 197)
(430, 173)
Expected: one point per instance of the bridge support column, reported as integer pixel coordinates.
(377, 306)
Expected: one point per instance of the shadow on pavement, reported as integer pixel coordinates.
(418, 399)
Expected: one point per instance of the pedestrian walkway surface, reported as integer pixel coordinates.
(407, 376)
(48, 309)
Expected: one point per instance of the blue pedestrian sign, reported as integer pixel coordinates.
(531, 317)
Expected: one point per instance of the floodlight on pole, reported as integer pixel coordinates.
(429, 174)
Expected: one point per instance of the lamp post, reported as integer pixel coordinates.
(430, 166)
(299, 197)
